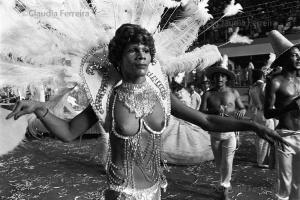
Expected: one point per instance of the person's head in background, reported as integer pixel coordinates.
(191, 88)
(176, 87)
(287, 53)
(220, 75)
(220, 79)
(258, 75)
(205, 83)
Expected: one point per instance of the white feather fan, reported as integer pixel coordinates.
(176, 39)
(199, 58)
(35, 43)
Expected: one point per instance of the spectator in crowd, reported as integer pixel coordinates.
(195, 97)
(225, 101)
(205, 84)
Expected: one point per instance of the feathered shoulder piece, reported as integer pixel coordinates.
(99, 78)
(158, 79)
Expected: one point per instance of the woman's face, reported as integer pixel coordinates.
(135, 61)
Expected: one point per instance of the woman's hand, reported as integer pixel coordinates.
(271, 136)
(24, 107)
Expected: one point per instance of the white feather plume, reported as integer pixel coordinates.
(271, 59)
(199, 58)
(267, 68)
(236, 38)
(44, 42)
(34, 46)
(112, 14)
(171, 4)
(179, 77)
(224, 63)
(176, 39)
(21, 74)
(43, 39)
(232, 9)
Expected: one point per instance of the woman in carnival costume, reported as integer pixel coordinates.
(129, 95)
(139, 112)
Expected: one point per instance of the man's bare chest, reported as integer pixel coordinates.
(287, 91)
(217, 99)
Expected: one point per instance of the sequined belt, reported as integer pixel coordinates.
(151, 193)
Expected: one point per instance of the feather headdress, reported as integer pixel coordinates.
(43, 42)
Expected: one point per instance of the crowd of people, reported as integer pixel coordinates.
(259, 18)
(267, 88)
(8, 96)
(132, 99)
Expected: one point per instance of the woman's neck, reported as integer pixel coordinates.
(139, 80)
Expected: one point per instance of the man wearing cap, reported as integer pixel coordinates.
(283, 102)
(225, 101)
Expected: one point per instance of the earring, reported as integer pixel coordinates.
(154, 61)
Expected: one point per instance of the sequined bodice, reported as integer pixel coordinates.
(134, 161)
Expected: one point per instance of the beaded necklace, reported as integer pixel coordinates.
(138, 98)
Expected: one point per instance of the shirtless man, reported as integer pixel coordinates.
(223, 100)
(283, 102)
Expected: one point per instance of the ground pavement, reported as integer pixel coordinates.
(49, 169)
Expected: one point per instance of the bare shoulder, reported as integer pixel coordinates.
(276, 81)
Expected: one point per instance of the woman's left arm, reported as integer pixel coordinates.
(220, 124)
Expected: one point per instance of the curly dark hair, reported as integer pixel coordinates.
(125, 35)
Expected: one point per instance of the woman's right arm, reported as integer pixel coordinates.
(63, 129)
